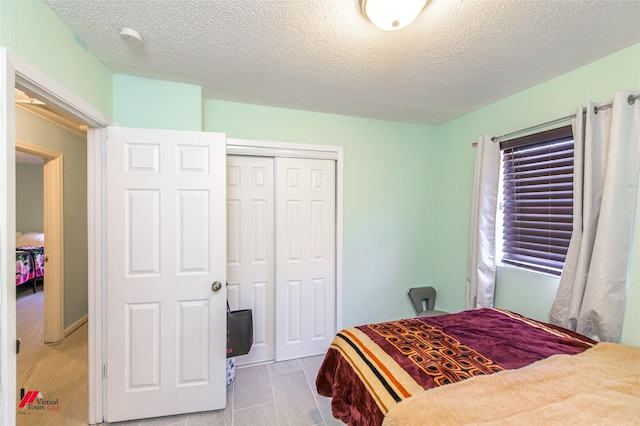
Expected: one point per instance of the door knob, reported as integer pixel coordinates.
(217, 285)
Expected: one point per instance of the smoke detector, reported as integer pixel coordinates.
(127, 34)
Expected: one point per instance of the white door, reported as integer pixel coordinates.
(166, 242)
(7, 243)
(305, 256)
(250, 247)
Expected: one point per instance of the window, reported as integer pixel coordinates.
(537, 200)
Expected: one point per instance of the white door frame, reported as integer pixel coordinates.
(7, 242)
(54, 242)
(35, 83)
(295, 150)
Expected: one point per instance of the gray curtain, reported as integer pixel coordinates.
(592, 289)
(481, 265)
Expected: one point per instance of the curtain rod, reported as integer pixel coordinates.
(631, 100)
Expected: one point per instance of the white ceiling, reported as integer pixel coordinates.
(322, 55)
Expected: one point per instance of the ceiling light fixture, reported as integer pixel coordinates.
(392, 15)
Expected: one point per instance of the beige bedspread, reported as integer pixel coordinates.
(598, 386)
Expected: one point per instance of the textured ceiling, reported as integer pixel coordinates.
(322, 55)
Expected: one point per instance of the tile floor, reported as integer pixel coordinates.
(277, 394)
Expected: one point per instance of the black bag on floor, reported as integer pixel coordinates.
(239, 332)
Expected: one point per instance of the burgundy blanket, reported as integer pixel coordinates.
(370, 368)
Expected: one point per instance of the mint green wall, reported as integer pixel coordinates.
(552, 99)
(30, 30)
(156, 104)
(631, 327)
(389, 179)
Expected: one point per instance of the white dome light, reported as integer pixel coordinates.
(392, 15)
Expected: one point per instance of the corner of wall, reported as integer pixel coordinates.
(156, 104)
(32, 32)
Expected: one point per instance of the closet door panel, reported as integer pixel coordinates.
(305, 256)
(250, 239)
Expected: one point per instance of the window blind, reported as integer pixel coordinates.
(537, 200)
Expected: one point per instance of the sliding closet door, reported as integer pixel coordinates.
(250, 246)
(305, 256)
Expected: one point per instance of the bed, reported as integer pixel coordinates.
(29, 258)
(369, 369)
(598, 386)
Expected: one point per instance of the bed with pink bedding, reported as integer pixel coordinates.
(370, 368)
(29, 258)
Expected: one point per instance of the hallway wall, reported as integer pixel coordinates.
(37, 131)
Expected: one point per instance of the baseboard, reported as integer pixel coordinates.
(76, 325)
